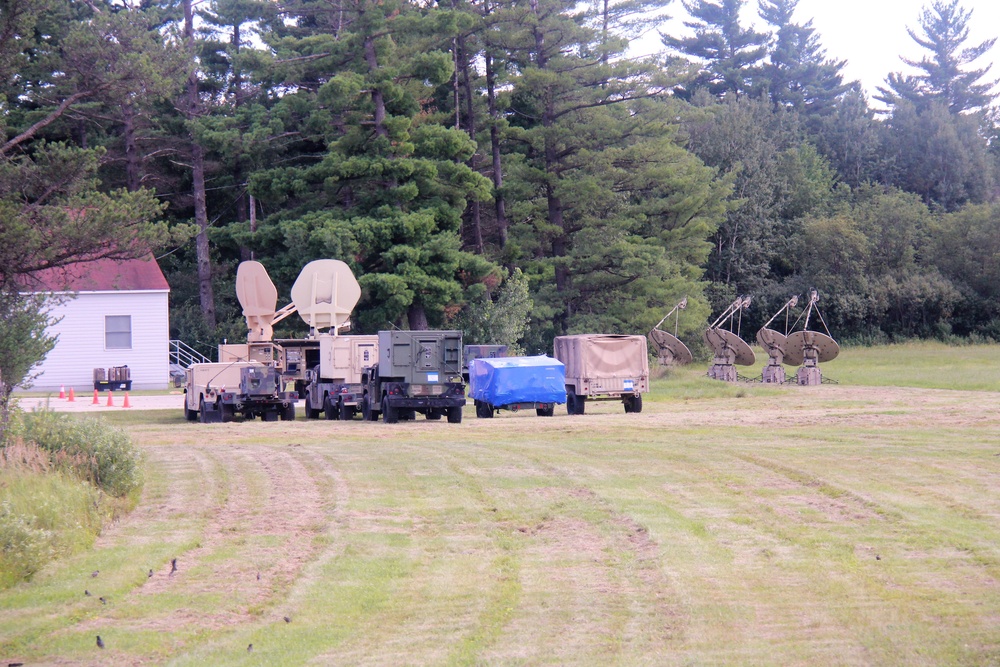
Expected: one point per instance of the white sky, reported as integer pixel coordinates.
(869, 34)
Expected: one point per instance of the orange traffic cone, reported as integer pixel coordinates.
(96, 402)
(125, 404)
(111, 399)
(72, 396)
(62, 391)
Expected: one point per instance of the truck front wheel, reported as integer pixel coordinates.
(189, 414)
(575, 404)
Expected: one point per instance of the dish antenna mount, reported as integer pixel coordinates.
(775, 343)
(669, 348)
(730, 350)
(808, 349)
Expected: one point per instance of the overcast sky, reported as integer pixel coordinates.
(869, 34)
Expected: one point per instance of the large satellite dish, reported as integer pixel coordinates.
(259, 298)
(325, 293)
(800, 342)
(668, 347)
(730, 350)
(772, 341)
(729, 345)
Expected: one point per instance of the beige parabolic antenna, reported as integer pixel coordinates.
(259, 298)
(772, 340)
(676, 351)
(827, 348)
(325, 293)
(725, 343)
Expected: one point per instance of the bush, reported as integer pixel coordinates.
(42, 515)
(89, 448)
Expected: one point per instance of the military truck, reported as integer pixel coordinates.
(291, 356)
(601, 367)
(417, 371)
(217, 392)
(333, 387)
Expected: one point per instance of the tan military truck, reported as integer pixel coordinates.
(603, 367)
(217, 392)
(333, 386)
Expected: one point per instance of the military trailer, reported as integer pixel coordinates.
(417, 371)
(603, 367)
(517, 383)
(333, 386)
(215, 392)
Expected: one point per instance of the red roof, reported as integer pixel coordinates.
(102, 275)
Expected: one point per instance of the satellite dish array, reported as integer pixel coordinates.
(324, 294)
(805, 348)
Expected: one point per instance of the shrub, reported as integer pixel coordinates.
(43, 515)
(93, 450)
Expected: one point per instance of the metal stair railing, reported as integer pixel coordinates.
(183, 355)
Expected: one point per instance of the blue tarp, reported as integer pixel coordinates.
(508, 380)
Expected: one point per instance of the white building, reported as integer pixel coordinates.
(116, 314)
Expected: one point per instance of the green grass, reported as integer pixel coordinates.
(726, 524)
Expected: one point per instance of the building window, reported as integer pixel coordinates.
(118, 332)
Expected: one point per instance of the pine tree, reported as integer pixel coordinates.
(798, 74)
(729, 54)
(945, 77)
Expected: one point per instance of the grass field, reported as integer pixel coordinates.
(850, 524)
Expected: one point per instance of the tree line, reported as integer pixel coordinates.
(504, 166)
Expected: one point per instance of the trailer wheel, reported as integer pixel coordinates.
(288, 413)
(390, 414)
(633, 403)
(455, 415)
(228, 411)
(483, 409)
(311, 413)
(546, 412)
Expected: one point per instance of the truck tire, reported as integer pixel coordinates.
(228, 411)
(633, 403)
(575, 403)
(345, 411)
(390, 413)
(546, 412)
(189, 414)
(330, 411)
(455, 415)
(201, 410)
(311, 412)
(366, 409)
(288, 413)
(433, 414)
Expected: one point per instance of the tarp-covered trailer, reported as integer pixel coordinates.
(517, 383)
(603, 367)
